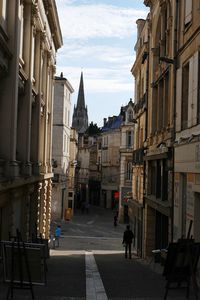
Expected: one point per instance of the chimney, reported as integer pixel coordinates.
(140, 24)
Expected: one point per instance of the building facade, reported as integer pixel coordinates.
(61, 145)
(30, 36)
(126, 157)
(110, 162)
(158, 213)
(187, 143)
(140, 73)
(72, 184)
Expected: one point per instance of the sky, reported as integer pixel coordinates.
(98, 40)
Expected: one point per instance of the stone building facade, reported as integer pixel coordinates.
(110, 162)
(126, 157)
(158, 189)
(30, 36)
(61, 145)
(187, 143)
(140, 73)
(71, 178)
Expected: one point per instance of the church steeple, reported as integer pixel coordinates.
(81, 95)
(80, 115)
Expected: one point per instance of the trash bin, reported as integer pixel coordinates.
(68, 214)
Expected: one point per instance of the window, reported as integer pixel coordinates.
(33, 60)
(64, 146)
(154, 109)
(68, 118)
(129, 139)
(21, 31)
(198, 97)
(164, 45)
(129, 171)
(160, 105)
(130, 116)
(166, 100)
(185, 94)
(66, 115)
(4, 9)
(188, 11)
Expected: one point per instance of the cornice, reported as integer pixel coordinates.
(148, 3)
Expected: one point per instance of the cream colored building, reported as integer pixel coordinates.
(30, 36)
(126, 160)
(110, 162)
(71, 185)
(140, 73)
(187, 146)
(61, 145)
(158, 191)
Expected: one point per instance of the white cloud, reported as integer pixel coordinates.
(99, 80)
(101, 53)
(97, 21)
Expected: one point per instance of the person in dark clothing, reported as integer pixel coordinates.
(127, 240)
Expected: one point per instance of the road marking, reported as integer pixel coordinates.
(94, 285)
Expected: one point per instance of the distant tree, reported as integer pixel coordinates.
(93, 129)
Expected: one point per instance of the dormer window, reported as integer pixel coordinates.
(130, 116)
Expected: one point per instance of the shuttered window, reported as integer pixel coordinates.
(185, 94)
(198, 95)
(188, 11)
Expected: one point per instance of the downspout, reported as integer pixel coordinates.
(175, 45)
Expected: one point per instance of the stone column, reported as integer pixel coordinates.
(9, 94)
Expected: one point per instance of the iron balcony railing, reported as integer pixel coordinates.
(138, 156)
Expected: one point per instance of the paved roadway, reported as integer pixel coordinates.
(90, 265)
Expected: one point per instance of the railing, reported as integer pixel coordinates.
(138, 156)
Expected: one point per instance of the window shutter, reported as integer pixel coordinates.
(188, 11)
(178, 98)
(195, 88)
(190, 92)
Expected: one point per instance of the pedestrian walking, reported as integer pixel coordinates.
(127, 241)
(57, 235)
(115, 220)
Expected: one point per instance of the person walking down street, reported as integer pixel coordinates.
(115, 220)
(127, 241)
(57, 236)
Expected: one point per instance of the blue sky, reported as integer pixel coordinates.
(99, 39)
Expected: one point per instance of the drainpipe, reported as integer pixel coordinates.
(175, 44)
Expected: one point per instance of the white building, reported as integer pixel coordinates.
(61, 145)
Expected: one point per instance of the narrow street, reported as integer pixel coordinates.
(90, 264)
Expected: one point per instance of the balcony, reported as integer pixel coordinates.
(138, 156)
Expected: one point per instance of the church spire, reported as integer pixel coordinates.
(80, 115)
(81, 95)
